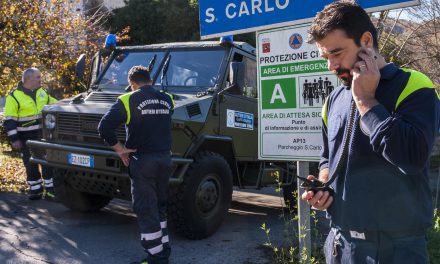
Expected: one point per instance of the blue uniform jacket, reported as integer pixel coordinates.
(147, 118)
(384, 185)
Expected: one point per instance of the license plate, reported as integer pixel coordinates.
(81, 160)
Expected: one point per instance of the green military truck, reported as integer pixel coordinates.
(214, 132)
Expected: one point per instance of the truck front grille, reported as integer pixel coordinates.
(82, 125)
(68, 123)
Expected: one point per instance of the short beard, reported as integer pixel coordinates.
(346, 81)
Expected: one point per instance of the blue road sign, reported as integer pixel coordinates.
(225, 17)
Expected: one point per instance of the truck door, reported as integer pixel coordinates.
(239, 110)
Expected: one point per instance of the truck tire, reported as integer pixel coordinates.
(198, 206)
(74, 199)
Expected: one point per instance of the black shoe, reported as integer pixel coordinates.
(161, 258)
(36, 194)
(166, 251)
(144, 261)
(50, 194)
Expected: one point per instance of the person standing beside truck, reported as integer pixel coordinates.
(146, 113)
(23, 122)
(381, 204)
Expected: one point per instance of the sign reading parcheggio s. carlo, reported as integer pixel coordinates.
(225, 17)
(293, 83)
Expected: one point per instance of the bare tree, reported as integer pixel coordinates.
(412, 38)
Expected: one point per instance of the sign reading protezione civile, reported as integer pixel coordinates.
(293, 84)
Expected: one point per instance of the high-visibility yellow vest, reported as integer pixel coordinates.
(22, 108)
(125, 99)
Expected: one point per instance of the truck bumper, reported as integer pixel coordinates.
(105, 162)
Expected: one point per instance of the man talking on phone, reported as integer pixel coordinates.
(381, 201)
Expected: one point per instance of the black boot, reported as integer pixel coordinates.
(50, 194)
(36, 194)
(161, 258)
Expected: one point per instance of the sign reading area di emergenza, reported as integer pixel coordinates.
(225, 17)
(293, 84)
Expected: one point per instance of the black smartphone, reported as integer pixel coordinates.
(314, 186)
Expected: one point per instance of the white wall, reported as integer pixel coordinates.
(112, 4)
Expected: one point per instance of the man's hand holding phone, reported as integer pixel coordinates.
(319, 199)
(366, 78)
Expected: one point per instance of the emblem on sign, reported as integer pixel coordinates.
(265, 46)
(295, 41)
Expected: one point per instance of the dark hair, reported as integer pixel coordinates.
(346, 15)
(139, 74)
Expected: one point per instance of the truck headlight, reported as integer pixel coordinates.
(49, 121)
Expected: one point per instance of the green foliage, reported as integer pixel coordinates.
(157, 21)
(433, 236)
(12, 171)
(49, 35)
(288, 251)
(161, 21)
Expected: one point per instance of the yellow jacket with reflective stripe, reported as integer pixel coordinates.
(22, 113)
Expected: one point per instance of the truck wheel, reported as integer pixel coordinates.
(198, 206)
(74, 199)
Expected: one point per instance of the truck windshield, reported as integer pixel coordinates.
(188, 68)
(115, 77)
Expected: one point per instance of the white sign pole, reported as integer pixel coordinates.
(293, 83)
(304, 234)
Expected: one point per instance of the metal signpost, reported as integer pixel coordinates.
(293, 84)
(293, 80)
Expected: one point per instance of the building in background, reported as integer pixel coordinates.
(91, 6)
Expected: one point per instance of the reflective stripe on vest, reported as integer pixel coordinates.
(416, 81)
(29, 128)
(25, 118)
(29, 118)
(125, 99)
(11, 118)
(172, 98)
(324, 112)
(12, 132)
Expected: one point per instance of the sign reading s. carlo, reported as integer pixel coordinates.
(224, 17)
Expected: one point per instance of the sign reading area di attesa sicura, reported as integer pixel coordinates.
(293, 84)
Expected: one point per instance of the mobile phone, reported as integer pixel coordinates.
(314, 186)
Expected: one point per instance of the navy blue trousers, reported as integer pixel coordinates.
(382, 248)
(32, 172)
(149, 175)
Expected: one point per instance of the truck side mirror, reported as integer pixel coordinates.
(236, 77)
(80, 67)
(236, 73)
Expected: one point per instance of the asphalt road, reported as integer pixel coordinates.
(47, 232)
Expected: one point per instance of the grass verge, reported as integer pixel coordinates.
(12, 171)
